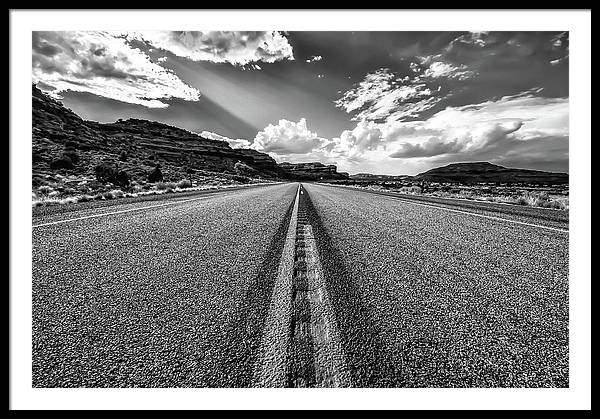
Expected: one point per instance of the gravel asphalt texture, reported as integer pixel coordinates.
(426, 297)
(172, 296)
(177, 295)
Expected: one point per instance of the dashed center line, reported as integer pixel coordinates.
(301, 344)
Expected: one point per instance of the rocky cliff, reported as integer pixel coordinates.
(65, 143)
(312, 171)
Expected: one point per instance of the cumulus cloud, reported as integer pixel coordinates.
(238, 48)
(104, 64)
(485, 136)
(233, 143)
(353, 144)
(493, 130)
(490, 130)
(433, 146)
(403, 114)
(508, 130)
(287, 137)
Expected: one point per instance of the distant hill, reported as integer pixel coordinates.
(490, 173)
(379, 178)
(312, 171)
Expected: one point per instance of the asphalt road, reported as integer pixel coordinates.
(156, 296)
(432, 296)
(525, 214)
(175, 292)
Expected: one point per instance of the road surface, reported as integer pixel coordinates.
(199, 290)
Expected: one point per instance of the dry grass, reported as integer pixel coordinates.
(48, 196)
(184, 183)
(413, 190)
(540, 199)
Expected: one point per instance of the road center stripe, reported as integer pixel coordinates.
(301, 346)
(271, 369)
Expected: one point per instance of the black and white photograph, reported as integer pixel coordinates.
(331, 208)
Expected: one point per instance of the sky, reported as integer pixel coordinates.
(370, 102)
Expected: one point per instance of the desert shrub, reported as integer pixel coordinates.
(94, 184)
(108, 173)
(117, 193)
(536, 199)
(63, 162)
(70, 200)
(240, 179)
(156, 175)
(166, 186)
(540, 199)
(45, 189)
(122, 178)
(554, 204)
(184, 183)
(245, 170)
(522, 200)
(104, 172)
(72, 155)
(411, 189)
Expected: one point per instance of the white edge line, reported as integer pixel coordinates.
(467, 200)
(561, 230)
(119, 212)
(409, 201)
